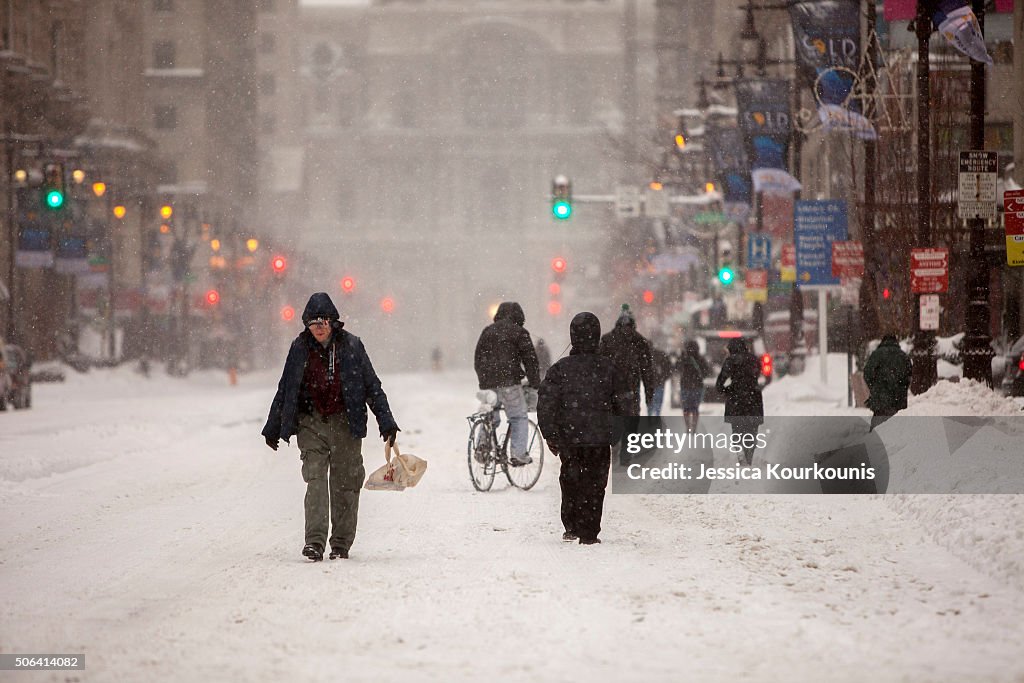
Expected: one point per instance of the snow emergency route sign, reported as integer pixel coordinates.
(816, 225)
(929, 270)
(1013, 207)
(977, 186)
(847, 259)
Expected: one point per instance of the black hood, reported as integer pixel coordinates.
(319, 306)
(737, 345)
(510, 310)
(585, 333)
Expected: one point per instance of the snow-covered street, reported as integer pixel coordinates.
(147, 526)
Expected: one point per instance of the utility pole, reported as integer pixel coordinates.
(925, 370)
(977, 345)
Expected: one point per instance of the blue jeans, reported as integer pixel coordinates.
(659, 395)
(514, 402)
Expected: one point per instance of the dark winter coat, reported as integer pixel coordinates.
(887, 374)
(661, 367)
(359, 383)
(504, 350)
(583, 392)
(631, 353)
(692, 368)
(741, 370)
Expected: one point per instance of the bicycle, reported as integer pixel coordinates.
(487, 452)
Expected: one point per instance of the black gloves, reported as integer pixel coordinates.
(390, 436)
(272, 442)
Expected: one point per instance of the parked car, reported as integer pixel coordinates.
(1013, 373)
(713, 346)
(16, 387)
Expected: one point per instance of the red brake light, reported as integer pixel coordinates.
(1020, 363)
(766, 365)
(730, 334)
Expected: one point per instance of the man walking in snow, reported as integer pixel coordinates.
(579, 398)
(327, 383)
(887, 374)
(504, 355)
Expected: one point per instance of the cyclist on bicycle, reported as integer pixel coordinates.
(504, 356)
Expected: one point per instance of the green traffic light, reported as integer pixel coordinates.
(561, 210)
(55, 199)
(726, 276)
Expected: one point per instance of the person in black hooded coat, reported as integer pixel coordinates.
(738, 380)
(631, 352)
(579, 399)
(327, 383)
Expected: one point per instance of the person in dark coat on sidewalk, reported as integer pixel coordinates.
(738, 380)
(504, 356)
(631, 353)
(327, 383)
(692, 369)
(887, 374)
(579, 399)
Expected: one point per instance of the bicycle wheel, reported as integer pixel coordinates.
(525, 476)
(480, 454)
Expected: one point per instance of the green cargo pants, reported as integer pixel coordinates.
(332, 467)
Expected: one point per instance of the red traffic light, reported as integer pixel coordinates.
(287, 314)
(348, 284)
(212, 297)
(279, 264)
(648, 296)
(558, 264)
(555, 307)
(555, 289)
(886, 293)
(387, 304)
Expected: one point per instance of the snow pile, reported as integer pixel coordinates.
(966, 397)
(982, 530)
(804, 394)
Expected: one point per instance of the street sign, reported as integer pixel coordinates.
(627, 201)
(656, 203)
(756, 282)
(977, 187)
(847, 259)
(849, 290)
(759, 251)
(816, 226)
(1013, 207)
(929, 270)
(787, 263)
(930, 311)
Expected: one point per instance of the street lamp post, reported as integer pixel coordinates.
(925, 370)
(977, 345)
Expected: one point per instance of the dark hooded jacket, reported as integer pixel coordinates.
(743, 394)
(504, 353)
(359, 383)
(583, 392)
(631, 353)
(887, 374)
(692, 367)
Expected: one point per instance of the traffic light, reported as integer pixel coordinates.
(648, 296)
(726, 275)
(561, 198)
(53, 186)
(212, 297)
(680, 134)
(348, 284)
(279, 265)
(559, 264)
(387, 304)
(287, 314)
(166, 211)
(886, 293)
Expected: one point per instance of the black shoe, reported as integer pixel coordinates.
(338, 554)
(313, 552)
(569, 537)
(589, 541)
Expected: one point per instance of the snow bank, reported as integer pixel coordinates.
(966, 397)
